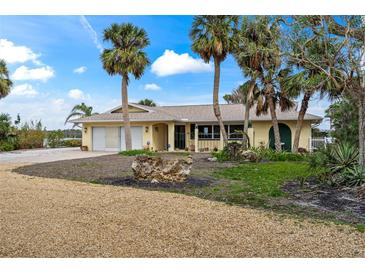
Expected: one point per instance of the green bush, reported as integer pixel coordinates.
(135, 152)
(221, 155)
(30, 138)
(71, 143)
(6, 146)
(273, 155)
(54, 138)
(352, 176)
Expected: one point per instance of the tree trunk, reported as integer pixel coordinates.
(361, 103)
(298, 128)
(217, 112)
(247, 114)
(274, 119)
(127, 124)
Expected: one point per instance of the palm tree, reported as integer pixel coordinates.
(80, 111)
(212, 37)
(147, 102)
(265, 31)
(124, 58)
(5, 82)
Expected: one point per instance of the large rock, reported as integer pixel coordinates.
(155, 169)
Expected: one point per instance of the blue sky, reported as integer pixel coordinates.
(54, 62)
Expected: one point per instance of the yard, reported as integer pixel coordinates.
(272, 185)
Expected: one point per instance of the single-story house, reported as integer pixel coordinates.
(188, 127)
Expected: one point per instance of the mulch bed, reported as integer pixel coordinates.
(344, 203)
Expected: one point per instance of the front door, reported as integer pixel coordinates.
(180, 137)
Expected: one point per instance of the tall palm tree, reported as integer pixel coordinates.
(147, 102)
(212, 37)
(80, 111)
(124, 58)
(5, 82)
(266, 33)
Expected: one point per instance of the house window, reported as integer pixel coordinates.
(192, 131)
(234, 132)
(205, 132)
(216, 132)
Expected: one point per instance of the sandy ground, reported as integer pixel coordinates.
(47, 155)
(42, 217)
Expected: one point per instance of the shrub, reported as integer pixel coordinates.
(71, 143)
(30, 138)
(6, 146)
(54, 138)
(135, 152)
(221, 155)
(352, 176)
(273, 155)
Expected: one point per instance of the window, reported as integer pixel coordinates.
(233, 134)
(216, 132)
(205, 132)
(192, 131)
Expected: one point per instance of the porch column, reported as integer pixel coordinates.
(171, 136)
(196, 135)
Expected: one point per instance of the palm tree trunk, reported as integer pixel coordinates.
(247, 114)
(217, 112)
(127, 124)
(298, 128)
(274, 118)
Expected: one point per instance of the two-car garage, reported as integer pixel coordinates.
(113, 138)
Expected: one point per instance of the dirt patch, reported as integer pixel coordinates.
(343, 203)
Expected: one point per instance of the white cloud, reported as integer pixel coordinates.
(171, 63)
(80, 70)
(25, 73)
(12, 53)
(25, 90)
(151, 87)
(76, 94)
(92, 33)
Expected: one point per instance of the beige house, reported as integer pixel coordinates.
(192, 127)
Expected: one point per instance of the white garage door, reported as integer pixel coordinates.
(137, 137)
(106, 139)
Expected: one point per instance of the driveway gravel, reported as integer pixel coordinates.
(43, 217)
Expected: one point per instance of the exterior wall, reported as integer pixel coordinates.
(258, 133)
(261, 133)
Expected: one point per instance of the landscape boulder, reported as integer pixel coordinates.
(156, 169)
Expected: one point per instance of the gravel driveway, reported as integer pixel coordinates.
(47, 155)
(42, 217)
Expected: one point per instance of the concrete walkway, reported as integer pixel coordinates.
(47, 155)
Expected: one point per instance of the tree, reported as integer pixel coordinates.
(344, 117)
(271, 72)
(5, 126)
(124, 58)
(5, 82)
(80, 111)
(212, 37)
(344, 67)
(147, 102)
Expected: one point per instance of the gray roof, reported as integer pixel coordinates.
(192, 113)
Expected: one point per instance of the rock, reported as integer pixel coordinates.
(155, 169)
(250, 155)
(213, 159)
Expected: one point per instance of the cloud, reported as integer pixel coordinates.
(92, 33)
(80, 70)
(25, 73)
(151, 87)
(25, 90)
(76, 94)
(17, 54)
(171, 63)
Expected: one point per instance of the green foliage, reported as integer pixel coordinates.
(5, 82)
(80, 111)
(344, 117)
(5, 125)
(71, 143)
(273, 155)
(147, 102)
(31, 135)
(6, 146)
(135, 152)
(352, 176)
(221, 155)
(54, 138)
(360, 228)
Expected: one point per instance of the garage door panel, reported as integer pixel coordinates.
(112, 139)
(98, 138)
(137, 138)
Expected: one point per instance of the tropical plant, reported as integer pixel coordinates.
(344, 118)
(80, 111)
(124, 58)
(54, 138)
(212, 37)
(5, 82)
(147, 102)
(5, 125)
(352, 176)
(266, 41)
